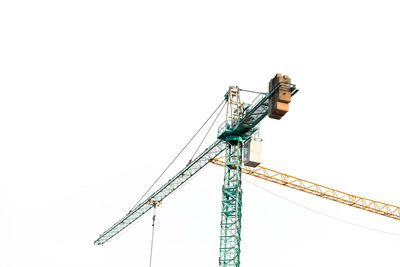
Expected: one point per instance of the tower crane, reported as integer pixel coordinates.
(238, 138)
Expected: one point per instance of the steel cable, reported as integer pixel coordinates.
(152, 235)
(207, 133)
(321, 213)
(169, 165)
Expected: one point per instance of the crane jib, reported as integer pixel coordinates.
(187, 172)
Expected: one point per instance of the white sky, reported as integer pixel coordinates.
(96, 97)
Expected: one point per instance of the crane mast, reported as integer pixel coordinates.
(241, 123)
(231, 213)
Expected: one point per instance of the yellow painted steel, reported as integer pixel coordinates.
(377, 207)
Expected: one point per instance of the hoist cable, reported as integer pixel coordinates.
(169, 165)
(207, 133)
(152, 235)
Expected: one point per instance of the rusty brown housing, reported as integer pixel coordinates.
(279, 101)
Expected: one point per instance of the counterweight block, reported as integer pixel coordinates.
(280, 99)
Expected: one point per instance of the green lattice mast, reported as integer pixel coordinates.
(231, 204)
(231, 213)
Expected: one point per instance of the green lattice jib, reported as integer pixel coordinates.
(231, 204)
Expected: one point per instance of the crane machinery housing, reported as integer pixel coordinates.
(238, 138)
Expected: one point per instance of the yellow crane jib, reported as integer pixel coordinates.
(373, 206)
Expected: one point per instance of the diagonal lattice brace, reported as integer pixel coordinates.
(185, 174)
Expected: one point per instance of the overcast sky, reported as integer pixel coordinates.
(97, 97)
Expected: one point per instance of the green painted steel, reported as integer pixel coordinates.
(231, 136)
(233, 133)
(231, 214)
(185, 174)
(253, 114)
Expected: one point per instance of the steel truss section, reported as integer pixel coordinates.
(185, 174)
(373, 206)
(257, 111)
(231, 214)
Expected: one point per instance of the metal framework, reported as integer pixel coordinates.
(373, 206)
(239, 126)
(231, 213)
(252, 115)
(241, 123)
(191, 169)
(234, 109)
